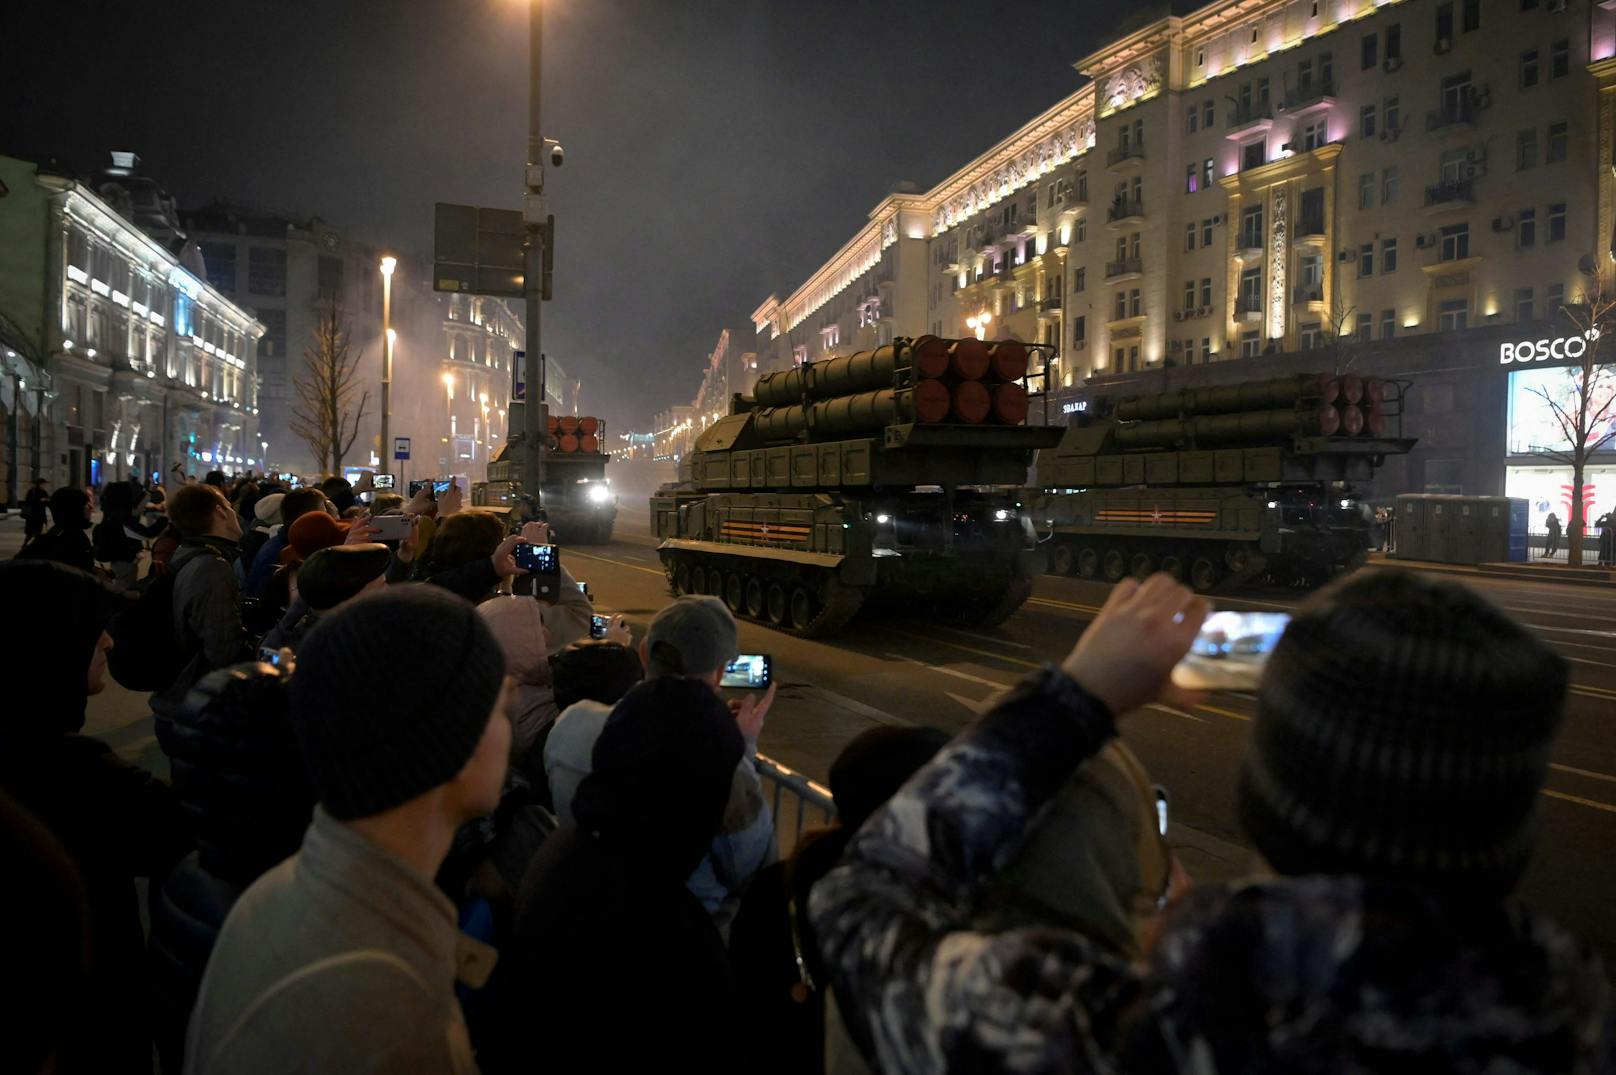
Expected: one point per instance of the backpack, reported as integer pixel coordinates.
(146, 655)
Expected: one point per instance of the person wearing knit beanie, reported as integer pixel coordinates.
(346, 956)
(315, 530)
(1402, 732)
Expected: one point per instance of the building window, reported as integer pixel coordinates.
(1370, 52)
(1200, 57)
(1206, 292)
(1363, 327)
(1394, 116)
(1366, 260)
(1207, 174)
(1208, 114)
(1560, 59)
(1523, 304)
(266, 270)
(1555, 151)
(1079, 328)
(1472, 16)
(220, 261)
(1189, 295)
(1444, 24)
(1312, 338)
(1528, 73)
(1453, 315)
(1366, 121)
(1192, 120)
(1206, 232)
(1189, 236)
(1250, 290)
(1251, 228)
(1525, 150)
(1080, 279)
(1326, 70)
(1553, 299)
(1310, 272)
(1313, 135)
(1388, 186)
(1134, 308)
(1119, 306)
(1557, 222)
(1388, 324)
(1190, 177)
(1250, 346)
(1526, 230)
(329, 273)
(1254, 154)
(1455, 242)
(1366, 190)
(1312, 215)
(1388, 256)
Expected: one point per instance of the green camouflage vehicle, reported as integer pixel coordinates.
(1219, 485)
(881, 476)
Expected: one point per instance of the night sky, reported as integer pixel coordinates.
(716, 151)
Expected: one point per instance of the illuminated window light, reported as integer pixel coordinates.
(77, 275)
(100, 288)
(120, 298)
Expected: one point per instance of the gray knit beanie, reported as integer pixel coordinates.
(1402, 732)
(367, 751)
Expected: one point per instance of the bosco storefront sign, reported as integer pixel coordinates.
(1559, 347)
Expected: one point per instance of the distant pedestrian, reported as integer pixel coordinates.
(1552, 541)
(33, 512)
(67, 541)
(1607, 538)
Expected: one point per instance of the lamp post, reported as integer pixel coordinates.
(533, 216)
(386, 447)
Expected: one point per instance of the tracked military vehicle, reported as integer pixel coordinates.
(1219, 485)
(882, 476)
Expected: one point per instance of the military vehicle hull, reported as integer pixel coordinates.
(575, 499)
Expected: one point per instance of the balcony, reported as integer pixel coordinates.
(1465, 111)
(1125, 210)
(1304, 293)
(1310, 227)
(1309, 98)
(1450, 194)
(1249, 245)
(1123, 154)
(1247, 308)
(1051, 303)
(1249, 118)
(1125, 267)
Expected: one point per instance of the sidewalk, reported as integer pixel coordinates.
(1531, 570)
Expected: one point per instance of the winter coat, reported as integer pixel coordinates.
(265, 563)
(518, 624)
(207, 620)
(115, 821)
(1314, 974)
(114, 537)
(340, 959)
(69, 545)
(624, 962)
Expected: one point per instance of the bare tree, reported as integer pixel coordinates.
(327, 419)
(1343, 345)
(1582, 398)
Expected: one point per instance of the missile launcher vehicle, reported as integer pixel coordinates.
(575, 498)
(883, 476)
(1219, 485)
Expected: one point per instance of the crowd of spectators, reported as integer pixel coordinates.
(418, 819)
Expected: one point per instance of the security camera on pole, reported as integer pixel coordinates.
(539, 228)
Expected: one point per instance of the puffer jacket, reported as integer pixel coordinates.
(207, 620)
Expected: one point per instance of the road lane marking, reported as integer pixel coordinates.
(620, 563)
(983, 638)
(1062, 604)
(1580, 801)
(1225, 712)
(968, 649)
(1582, 772)
(1602, 693)
(956, 673)
(1176, 712)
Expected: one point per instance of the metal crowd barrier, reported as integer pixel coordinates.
(797, 802)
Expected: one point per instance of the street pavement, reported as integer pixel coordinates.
(895, 671)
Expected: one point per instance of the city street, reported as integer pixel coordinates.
(889, 671)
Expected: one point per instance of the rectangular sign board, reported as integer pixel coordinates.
(477, 251)
(401, 447)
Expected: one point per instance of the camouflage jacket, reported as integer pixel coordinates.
(1295, 975)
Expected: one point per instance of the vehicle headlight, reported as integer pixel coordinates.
(1346, 503)
(883, 519)
(599, 494)
(1002, 515)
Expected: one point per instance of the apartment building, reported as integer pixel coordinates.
(1416, 180)
(122, 360)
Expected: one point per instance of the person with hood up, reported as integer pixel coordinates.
(67, 541)
(115, 821)
(1400, 743)
(611, 945)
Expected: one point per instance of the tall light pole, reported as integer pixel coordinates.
(533, 217)
(386, 447)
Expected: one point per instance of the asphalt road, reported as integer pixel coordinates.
(887, 671)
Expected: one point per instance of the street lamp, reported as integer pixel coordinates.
(389, 263)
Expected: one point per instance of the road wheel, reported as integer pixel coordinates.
(735, 592)
(698, 580)
(1115, 565)
(1141, 565)
(715, 583)
(1236, 558)
(1172, 565)
(1204, 574)
(681, 578)
(778, 606)
(754, 598)
(1088, 563)
(803, 608)
(1062, 561)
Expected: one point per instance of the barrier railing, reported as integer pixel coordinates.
(797, 801)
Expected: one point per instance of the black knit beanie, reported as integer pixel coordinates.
(367, 751)
(1402, 732)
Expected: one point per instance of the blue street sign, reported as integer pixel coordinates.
(401, 447)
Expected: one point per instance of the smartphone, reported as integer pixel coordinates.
(1230, 651)
(598, 625)
(392, 527)
(1161, 809)
(382, 481)
(271, 657)
(417, 485)
(583, 588)
(749, 671)
(441, 487)
(538, 559)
